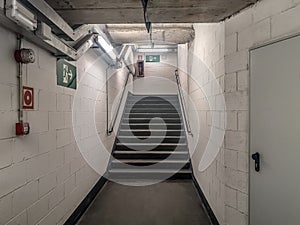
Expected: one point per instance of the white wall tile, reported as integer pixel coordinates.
(6, 209)
(47, 183)
(6, 153)
(38, 210)
(24, 197)
(12, 178)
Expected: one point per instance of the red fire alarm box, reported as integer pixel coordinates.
(22, 129)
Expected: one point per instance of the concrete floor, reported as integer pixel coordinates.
(167, 203)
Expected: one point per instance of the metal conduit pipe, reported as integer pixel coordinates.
(20, 80)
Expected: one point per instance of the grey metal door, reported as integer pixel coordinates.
(275, 133)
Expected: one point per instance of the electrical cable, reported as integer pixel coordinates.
(147, 22)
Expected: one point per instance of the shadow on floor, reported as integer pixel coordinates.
(167, 203)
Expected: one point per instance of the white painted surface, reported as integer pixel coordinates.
(275, 129)
(43, 176)
(206, 62)
(267, 20)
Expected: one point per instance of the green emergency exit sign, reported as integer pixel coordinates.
(152, 58)
(66, 74)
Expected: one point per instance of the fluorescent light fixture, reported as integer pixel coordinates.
(157, 46)
(19, 14)
(107, 47)
(155, 50)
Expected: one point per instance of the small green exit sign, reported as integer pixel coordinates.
(66, 74)
(152, 58)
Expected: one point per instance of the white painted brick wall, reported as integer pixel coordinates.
(24, 197)
(7, 121)
(56, 196)
(46, 141)
(38, 210)
(47, 101)
(37, 167)
(256, 33)
(231, 44)
(37, 172)
(208, 46)
(26, 167)
(6, 153)
(12, 178)
(5, 97)
(231, 197)
(6, 209)
(230, 82)
(236, 140)
(236, 61)
(286, 22)
(25, 148)
(19, 219)
(47, 183)
(242, 79)
(266, 20)
(234, 217)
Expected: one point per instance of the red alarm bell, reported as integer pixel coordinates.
(25, 56)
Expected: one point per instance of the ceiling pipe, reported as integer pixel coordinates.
(44, 35)
(51, 15)
(45, 38)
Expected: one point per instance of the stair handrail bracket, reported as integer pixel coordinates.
(183, 104)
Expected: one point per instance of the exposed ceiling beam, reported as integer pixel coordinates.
(163, 11)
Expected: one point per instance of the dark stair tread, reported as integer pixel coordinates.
(140, 124)
(169, 140)
(150, 144)
(146, 170)
(143, 130)
(149, 161)
(150, 152)
(179, 137)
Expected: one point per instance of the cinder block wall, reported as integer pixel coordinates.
(225, 183)
(206, 59)
(43, 176)
(183, 54)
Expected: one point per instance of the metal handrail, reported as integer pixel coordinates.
(183, 104)
(115, 116)
(114, 120)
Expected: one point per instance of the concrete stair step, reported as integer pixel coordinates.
(148, 120)
(131, 154)
(159, 164)
(152, 126)
(150, 174)
(152, 139)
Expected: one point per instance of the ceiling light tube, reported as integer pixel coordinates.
(107, 47)
(153, 50)
(19, 14)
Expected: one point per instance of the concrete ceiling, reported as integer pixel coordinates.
(161, 33)
(159, 11)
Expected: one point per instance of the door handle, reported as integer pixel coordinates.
(256, 158)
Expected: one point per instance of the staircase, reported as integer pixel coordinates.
(151, 141)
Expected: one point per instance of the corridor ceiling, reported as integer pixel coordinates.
(136, 33)
(77, 12)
